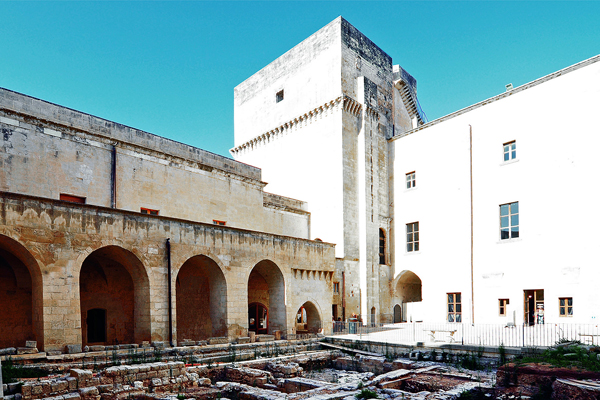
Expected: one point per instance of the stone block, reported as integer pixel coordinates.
(204, 382)
(218, 340)
(265, 338)
(26, 350)
(243, 339)
(53, 353)
(9, 351)
(71, 396)
(31, 344)
(97, 348)
(158, 345)
(252, 336)
(73, 348)
(72, 382)
(157, 382)
(277, 335)
(145, 343)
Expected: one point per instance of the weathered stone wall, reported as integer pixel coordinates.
(53, 239)
(48, 150)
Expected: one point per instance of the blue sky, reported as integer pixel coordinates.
(169, 68)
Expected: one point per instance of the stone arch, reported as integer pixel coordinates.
(373, 317)
(266, 285)
(114, 279)
(200, 299)
(308, 319)
(21, 295)
(407, 289)
(397, 313)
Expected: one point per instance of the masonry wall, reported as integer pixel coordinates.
(48, 150)
(553, 121)
(54, 238)
(297, 142)
(366, 79)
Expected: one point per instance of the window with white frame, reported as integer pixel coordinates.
(510, 150)
(412, 236)
(411, 180)
(454, 307)
(565, 306)
(509, 221)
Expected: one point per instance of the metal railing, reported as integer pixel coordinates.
(470, 334)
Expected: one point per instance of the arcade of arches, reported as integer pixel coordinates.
(102, 278)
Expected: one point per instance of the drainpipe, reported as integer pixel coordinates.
(169, 291)
(113, 177)
(471, 190)
(344, 296)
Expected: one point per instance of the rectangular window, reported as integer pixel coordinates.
(411, 181)
(509, 220)
(565, 306)
(148, 211)
(216, 222)
(502, 303)
(72, 199)
(454, 307)
(279, 96)
(510, 150)
(412, 236)
(336, 287)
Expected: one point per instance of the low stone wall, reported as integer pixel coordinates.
(84, 384)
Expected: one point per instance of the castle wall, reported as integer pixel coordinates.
(54, 239)
(48, 150)
(553, 122)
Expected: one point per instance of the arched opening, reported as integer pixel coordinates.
(20, 295)
(397, 313)
(408, 292)
(308, 319)
(373, 318)
(382, 246)
(115, 298)
(266, 287)
(201, 299)
(258, 318)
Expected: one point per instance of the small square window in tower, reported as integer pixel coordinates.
(279, 96)
(411, 180)
(510, 150)
(509, 221)
(412, 237)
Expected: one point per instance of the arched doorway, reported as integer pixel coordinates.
(258, 318)
(266, 287)
(115, 298)
(373, 316)
(201, 300)
(397, 313)
(20, 296)
(407, 292)
(308, 319)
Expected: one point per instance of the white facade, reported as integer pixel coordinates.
(343, 139)
(554, 124)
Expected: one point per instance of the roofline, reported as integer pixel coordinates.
(518, 89)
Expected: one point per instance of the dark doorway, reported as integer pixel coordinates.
(397, 313)
(533, 307)
(258, 318)
(96, 325)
